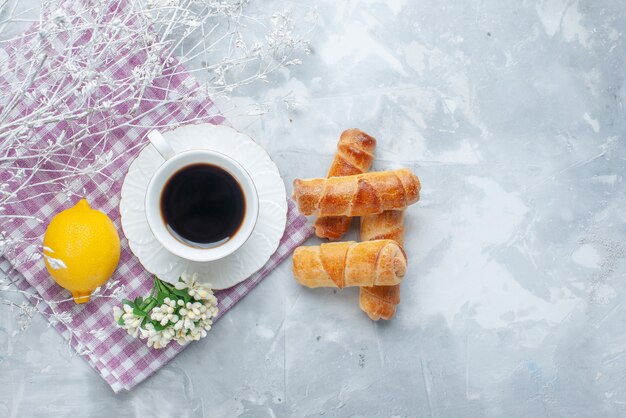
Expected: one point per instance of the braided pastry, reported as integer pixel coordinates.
(381, 301)
(355, 152)
(342, 264)
(358, 195)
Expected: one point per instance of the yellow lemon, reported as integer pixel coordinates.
(81, 249)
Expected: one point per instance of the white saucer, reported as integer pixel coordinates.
(267, 233)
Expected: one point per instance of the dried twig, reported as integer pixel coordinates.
(47, 82)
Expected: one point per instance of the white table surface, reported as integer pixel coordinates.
(512, 114)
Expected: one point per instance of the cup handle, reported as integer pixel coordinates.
(159, 142)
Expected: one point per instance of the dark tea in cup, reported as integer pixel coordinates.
(203, 205)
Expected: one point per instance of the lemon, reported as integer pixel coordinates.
(81, 249)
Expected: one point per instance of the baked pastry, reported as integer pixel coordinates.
(386, 225)
(343, 264)
(381, 301)
(355, 152)
(358, 195)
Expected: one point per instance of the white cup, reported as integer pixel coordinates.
(173, 163)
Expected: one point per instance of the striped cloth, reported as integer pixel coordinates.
(89, 328)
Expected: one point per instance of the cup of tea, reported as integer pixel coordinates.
(200, 205)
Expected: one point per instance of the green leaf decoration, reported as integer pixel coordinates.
(182, 293)
(160, 298)
(158, 326)
(150, 305)
(139, 312)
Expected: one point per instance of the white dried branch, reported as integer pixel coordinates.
(46, 82)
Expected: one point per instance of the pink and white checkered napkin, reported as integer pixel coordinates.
(89, 328)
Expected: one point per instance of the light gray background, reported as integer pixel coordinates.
(512, 114)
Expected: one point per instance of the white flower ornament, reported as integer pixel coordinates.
(182, 312)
